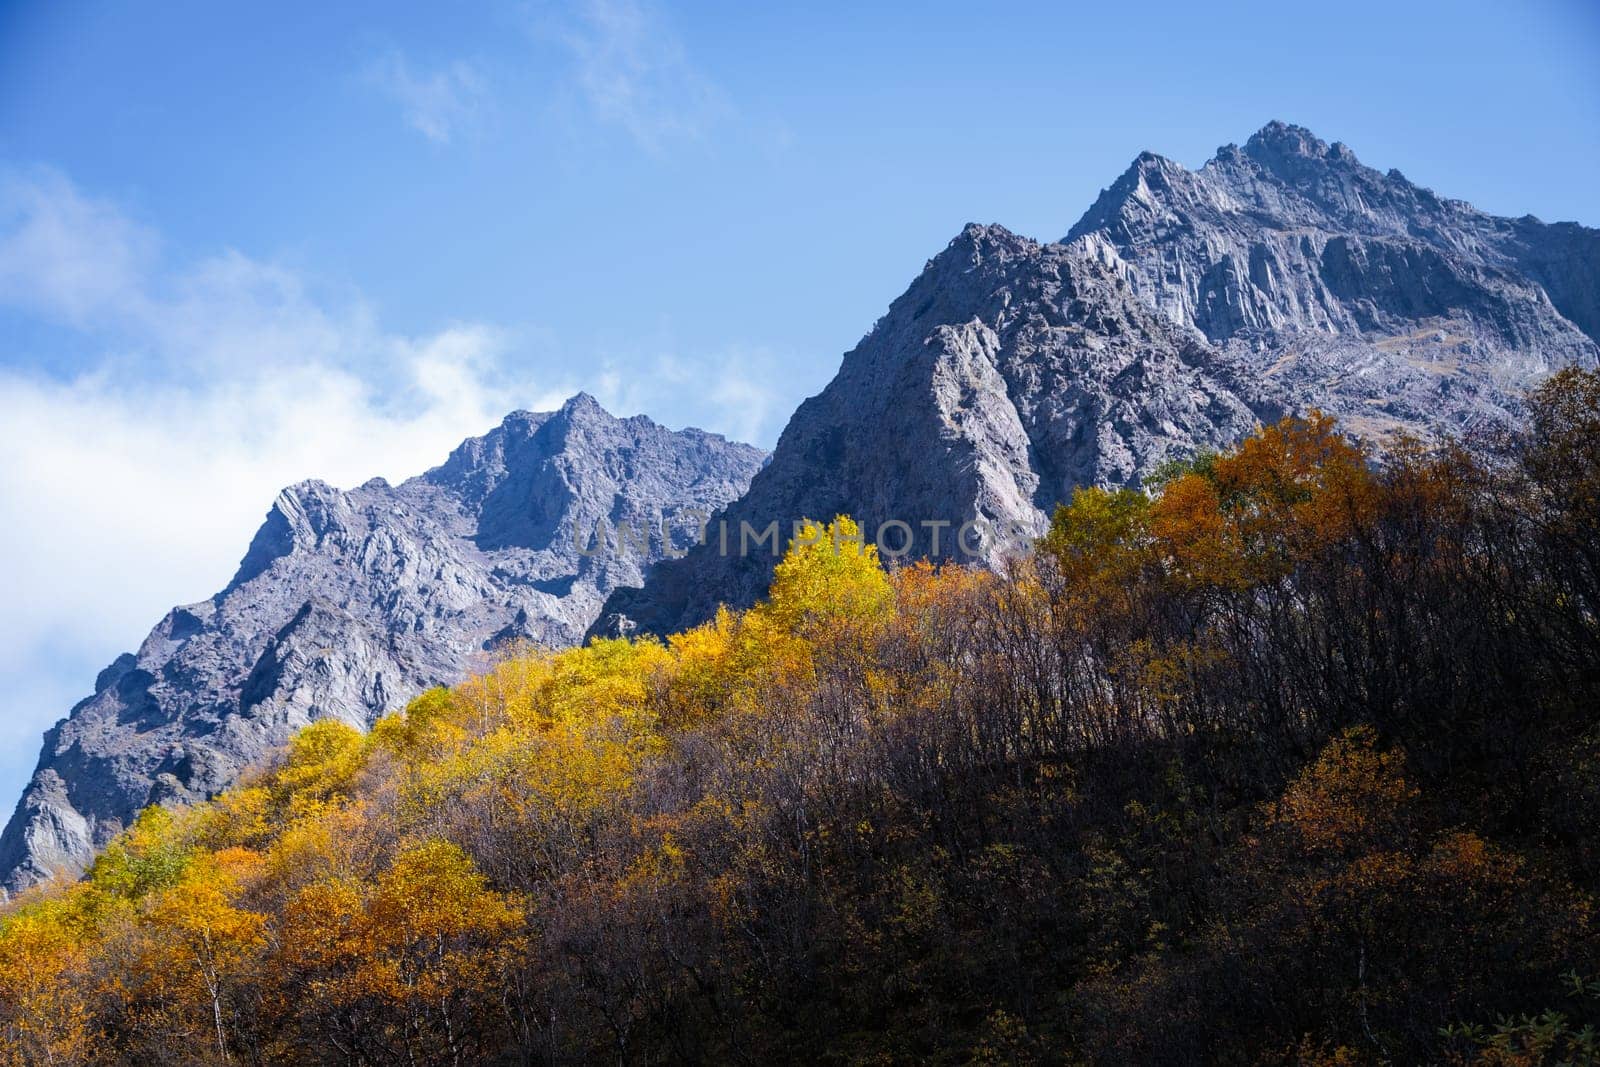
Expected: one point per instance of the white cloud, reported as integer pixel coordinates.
(440, 105)
(123, 497)
(80, 261)
(633, 71)
(629, 69)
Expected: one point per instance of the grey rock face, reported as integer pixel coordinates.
(1182, 309)
(1344, 287)
(1007, 374)
(349, 603)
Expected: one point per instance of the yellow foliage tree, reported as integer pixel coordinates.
(198, 941)
(44, 1018)
(321, 766)
(406, 951)
(829, 578)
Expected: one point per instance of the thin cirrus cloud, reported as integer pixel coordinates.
(66, 255)
(632, 70)
(442, 105)
(620, 61)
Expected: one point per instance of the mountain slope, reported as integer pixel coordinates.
(348, 603)
(1183, 307)
(1008, 373)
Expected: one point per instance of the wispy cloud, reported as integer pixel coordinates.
(442, 104)
(741, 391)
(632, 70)
(65, 254)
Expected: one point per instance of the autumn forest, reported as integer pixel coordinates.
(1291, 756)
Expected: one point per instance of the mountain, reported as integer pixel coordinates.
(348, 603)
(1008, 373)
(1344, 286)
(1181, 309)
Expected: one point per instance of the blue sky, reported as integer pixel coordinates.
(241, 246)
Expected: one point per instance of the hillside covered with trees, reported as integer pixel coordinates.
(1292, 758)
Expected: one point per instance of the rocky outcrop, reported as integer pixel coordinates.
(347, 603)
(1344, 287)
(1182, 308)
(1007, 374)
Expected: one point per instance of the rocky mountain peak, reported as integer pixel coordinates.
(1148, 168)
(584, 402)
(1278, 141)
(583, 410)
(348, 602)
(1007, 373)
(1293, 244)
(1183, 307)
(976, 244)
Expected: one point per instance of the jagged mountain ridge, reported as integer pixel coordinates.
(1008, 373)
(347, 603)
(1307, 265)
(1182, 308)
